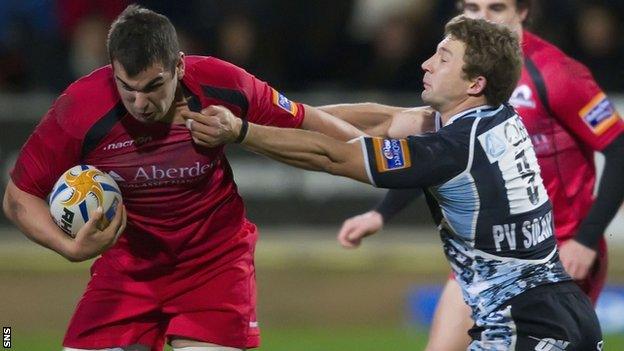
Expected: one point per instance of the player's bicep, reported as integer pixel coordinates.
(414, 162)
(580, 105)
(269, 107)
(47, 153)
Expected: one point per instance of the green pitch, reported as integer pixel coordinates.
(281, 340)
(313, 296)
(335, 339)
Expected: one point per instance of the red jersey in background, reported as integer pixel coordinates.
(578, 120)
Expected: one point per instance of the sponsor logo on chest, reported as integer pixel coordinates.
(127, 143)
(160, 175)
(534, 232)
(154, 172)
(509, 147)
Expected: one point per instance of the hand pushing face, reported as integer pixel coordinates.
(213, 126)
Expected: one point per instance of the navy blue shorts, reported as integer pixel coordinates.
(551, 317)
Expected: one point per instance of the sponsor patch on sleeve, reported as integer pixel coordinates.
(391, 154)
(599, 114)
(282, 101)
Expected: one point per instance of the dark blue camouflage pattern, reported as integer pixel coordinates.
(488, 281)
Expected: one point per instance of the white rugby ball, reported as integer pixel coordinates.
(77, 193)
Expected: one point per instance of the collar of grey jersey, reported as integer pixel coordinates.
(479, 111)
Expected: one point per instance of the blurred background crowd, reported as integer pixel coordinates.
(294, 45)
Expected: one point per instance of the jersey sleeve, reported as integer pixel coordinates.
(261, 104)
(50, 150)
(418, 161)
(580, 105)
(267, 106)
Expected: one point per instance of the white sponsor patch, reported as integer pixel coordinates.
(509, 146)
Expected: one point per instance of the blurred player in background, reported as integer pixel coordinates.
(183, 269)
(568, 117)
(483, 187)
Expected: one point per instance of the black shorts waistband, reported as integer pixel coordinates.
(564, 287)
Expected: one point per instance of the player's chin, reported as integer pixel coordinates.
(146, 117)
(425, 96)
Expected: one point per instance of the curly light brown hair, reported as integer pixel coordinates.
(492, 51)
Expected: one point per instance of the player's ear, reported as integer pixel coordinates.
(180, 66)
(477, 86)
(523, 14)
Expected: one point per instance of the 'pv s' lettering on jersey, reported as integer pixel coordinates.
(487, 197)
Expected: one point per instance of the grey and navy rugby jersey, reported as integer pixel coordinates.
(484, 189)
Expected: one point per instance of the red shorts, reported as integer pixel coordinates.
(213, 303)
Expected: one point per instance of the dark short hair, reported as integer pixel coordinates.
(139, 38)
(520, 5)
(492, 51)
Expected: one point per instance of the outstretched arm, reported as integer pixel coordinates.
(383, 120)
(308, 150)
(372, 118)
(320, 121)
(388, 163)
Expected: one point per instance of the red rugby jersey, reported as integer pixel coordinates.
(181, 200)
(578, 120)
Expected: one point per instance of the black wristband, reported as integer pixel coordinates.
(243, 132)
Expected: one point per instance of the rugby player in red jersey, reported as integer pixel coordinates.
(569, 118)
(183, 270)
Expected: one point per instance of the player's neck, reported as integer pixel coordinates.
(456, 107)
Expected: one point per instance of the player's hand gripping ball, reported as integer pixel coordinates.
(77, 193)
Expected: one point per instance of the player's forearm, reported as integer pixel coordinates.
(608, 199)
(323, 122)
(307, 150)
(298, 148)
(395, 201)
(31, 216)
(372, 118)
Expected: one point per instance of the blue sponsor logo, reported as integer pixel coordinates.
(283, 102)
(393, 154)
(602, 111)
(387, 149)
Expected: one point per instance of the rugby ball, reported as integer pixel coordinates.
(77, 193)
